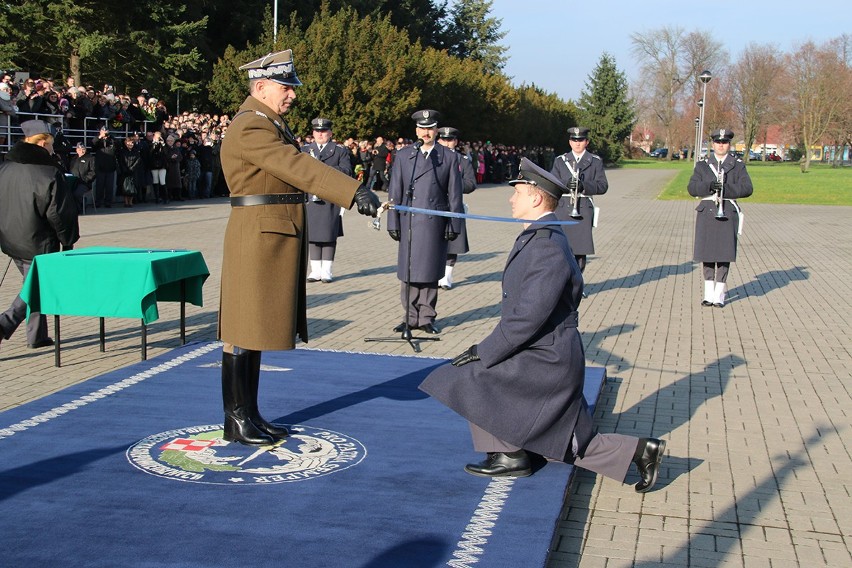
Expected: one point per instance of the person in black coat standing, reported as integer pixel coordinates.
(521, 388)
(325, 221)
(37, 216)
(106, 164)
(427, 176)
(583, 174)
(719, 180)
(83, 168)
(448, 137)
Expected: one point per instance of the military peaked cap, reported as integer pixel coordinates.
(276, 67)
(722, 135)
(448, 132)
(542, 179)
(578, 133)
(426, 118)
(321, 124)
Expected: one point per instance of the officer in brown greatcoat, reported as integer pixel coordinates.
(262, 304)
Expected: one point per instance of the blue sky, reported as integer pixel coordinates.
(557, 44)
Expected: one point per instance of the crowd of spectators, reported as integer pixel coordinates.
(133, 147)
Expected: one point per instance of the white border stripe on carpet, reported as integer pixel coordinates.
(105, 391)
(476, 534)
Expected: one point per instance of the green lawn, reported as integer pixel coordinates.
(774, 182)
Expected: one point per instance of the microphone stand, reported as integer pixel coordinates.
(407, 336)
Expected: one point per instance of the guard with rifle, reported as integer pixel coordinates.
(583, 174)
(718, 181)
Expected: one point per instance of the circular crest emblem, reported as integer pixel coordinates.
(198, 454)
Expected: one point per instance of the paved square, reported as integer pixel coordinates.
(754, 399)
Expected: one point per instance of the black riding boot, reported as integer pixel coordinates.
(238, 402)
(277, 431)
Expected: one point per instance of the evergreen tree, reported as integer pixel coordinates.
(472, 33)
(606, 108)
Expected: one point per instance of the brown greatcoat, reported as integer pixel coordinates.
(263, 300)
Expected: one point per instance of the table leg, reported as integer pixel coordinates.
(103, 336)
(144, 341)
(56, 360)
(183, 312)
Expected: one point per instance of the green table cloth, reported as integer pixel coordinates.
(113, 282)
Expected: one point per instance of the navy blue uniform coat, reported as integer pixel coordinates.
(324, 221)
(527, 387)
(716, 240)
(437, 186)
(461, 244)
(591, 174)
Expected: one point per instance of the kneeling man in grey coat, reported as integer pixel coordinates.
(521, 388)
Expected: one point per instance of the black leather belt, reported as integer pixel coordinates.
(269, 199)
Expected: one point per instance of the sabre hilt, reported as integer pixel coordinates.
(377, 222)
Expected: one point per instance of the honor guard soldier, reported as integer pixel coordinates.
(521, 387)
(718, 180)
(448, 137)
(325, 219)
(583, 174)
(427, 176)
(264, 261)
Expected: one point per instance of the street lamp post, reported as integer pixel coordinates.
(697, 146)
(704, 78)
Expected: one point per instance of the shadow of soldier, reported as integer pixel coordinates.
(644, 276)
(744, 513)
(672, 407)
(766, 282)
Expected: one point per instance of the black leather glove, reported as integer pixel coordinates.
(466, 357)
(573, 185)
(450, 235)
(716, 187)
(394, 234)
(368, 202)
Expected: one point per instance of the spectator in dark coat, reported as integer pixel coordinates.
(83, 168)
(104, 148)
(37, 216)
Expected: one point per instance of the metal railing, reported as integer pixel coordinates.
(91, 126)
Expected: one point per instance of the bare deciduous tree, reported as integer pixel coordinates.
(814, 100)
(754, 82)
(671, 61)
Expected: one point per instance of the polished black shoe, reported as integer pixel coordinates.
(718, 305)
(46, 342)
(401, 327)
(499, 464)
(649, 454)
(429, 328)
(706, 304)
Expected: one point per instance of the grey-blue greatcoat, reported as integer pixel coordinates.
(461, 244)
(527, 387)
(437, 186)
(593, 182)
(716, 240)
(324, 221)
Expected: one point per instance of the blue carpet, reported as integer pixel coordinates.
(128, 469)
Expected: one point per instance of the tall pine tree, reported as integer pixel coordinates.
(606, 108)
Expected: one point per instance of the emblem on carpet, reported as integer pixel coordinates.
(200, 455)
